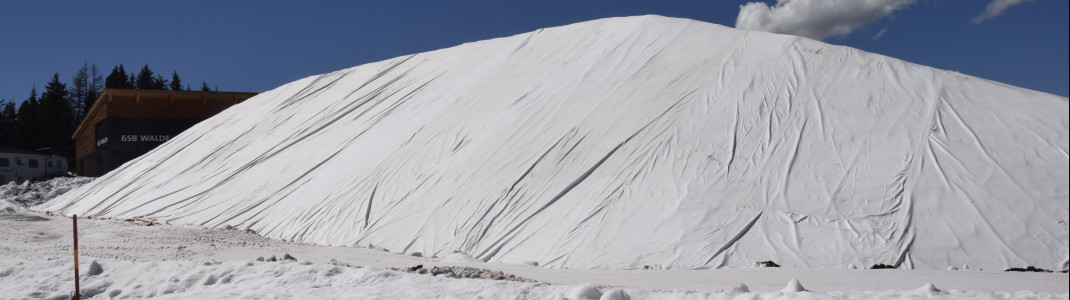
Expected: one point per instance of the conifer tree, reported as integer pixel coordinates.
(158, 83)
(132, 84)
(148, 80)
(8, 117)
(204, 87)
(118, 79)
(26, 125)
(112, 81)
(55, 116)
(145, 78)
(176, 83)
(128, 80)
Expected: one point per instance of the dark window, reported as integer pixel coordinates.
(33, 163)
(5, 162)
(50, 164)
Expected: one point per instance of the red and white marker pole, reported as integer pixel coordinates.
(77, 288)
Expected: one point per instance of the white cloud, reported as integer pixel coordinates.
(880, 33)
(816, 19)
(995, 8)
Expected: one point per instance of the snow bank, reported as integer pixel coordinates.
(250, 280)
(48, 239)
(14, 197)
(291, 280)
(627, 142)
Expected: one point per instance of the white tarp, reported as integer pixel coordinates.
(628, 142)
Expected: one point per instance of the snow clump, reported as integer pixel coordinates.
(15, 197)
(793, 287)
(615, 294)
(588, 291)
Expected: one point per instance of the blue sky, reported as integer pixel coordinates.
(258, 45)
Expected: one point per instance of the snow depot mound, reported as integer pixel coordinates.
(624, 143)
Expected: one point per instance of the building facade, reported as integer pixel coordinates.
(20, 165)
(124, 124)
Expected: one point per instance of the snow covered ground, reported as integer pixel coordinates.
(186, 262)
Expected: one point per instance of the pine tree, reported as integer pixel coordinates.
(56, 121)
(158, 83)
(128, 79)
(118, 79)
(145, 78)
(8, 118)
(113, 79)
(204, 87)
(26, 124)
(176, 83)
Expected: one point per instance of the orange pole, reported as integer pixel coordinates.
(77, 288)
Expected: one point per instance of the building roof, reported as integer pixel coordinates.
(137, 96)
(6, 149)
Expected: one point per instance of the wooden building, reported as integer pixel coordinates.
(124, 124)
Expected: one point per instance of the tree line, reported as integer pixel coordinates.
(48, 120)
